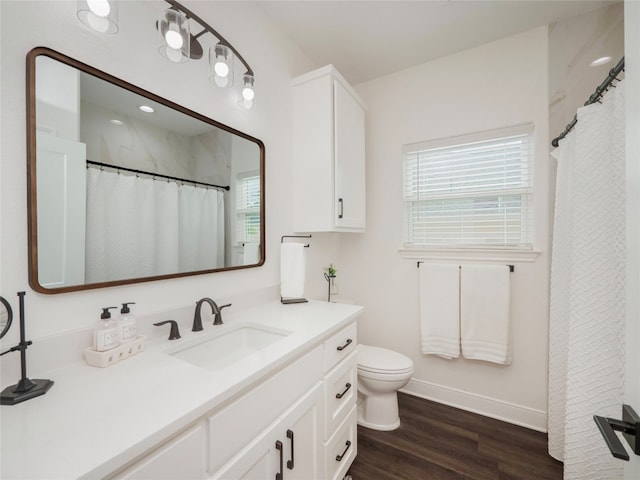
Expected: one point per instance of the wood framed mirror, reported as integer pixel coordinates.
(120, 194)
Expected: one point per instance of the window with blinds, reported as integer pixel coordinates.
(472, 191)
(248, 209)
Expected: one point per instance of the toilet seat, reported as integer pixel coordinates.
(380, 360)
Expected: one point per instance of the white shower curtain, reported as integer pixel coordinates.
(201, 215)
(140, 227)
(130, 227)
(586, 348)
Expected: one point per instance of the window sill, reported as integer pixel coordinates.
(469, 254)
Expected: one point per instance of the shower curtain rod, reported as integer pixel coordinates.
(159, 175)
(595, 97)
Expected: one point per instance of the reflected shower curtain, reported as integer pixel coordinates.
(586, 348)
(131, 227)
(140, 227)
(201, 213)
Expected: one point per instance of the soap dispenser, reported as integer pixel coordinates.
(127, 323)
(105, 334)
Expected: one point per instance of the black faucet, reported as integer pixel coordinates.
(217, 315)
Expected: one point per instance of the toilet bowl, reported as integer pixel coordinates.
(381, 373)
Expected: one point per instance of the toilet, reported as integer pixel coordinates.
(381, 373)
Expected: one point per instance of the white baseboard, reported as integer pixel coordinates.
(487, 406)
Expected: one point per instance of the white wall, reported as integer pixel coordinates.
(495, 85)
(132, 55)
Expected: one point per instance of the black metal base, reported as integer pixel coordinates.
(293, 300)
(17, 393)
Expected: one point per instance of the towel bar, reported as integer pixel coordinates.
(295, 236)
(512, 268)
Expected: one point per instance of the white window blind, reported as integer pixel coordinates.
(473, 191)
(248, 209)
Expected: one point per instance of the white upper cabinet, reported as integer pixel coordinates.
(328, 154)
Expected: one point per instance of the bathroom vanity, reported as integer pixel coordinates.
(271, 392)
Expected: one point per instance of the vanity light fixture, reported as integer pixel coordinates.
(177, 44)
(222, 55)
(248, 93)
(99, 15)
(173, 36)
(221, 63)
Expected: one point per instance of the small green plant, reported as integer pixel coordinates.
(331, 270)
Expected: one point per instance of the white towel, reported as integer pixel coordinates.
(250, 253)
(439, 309)
(484, 313)
(292, 270)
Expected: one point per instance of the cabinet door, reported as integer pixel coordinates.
(349, 157)
(295, 455)
(259, 462)
(302, 438)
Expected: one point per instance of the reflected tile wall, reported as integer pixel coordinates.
(143, 146)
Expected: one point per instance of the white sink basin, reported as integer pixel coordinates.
(229, 347)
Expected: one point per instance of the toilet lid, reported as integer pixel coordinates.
(378, 359)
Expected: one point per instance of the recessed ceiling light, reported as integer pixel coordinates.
(146, 108)
(116, 122)
(600, 61)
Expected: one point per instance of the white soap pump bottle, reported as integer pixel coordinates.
(127, 323)
(106, 334)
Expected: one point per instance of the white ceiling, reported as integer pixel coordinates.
(367, 39)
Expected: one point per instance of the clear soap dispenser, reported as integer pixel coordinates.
(106, 334)
(127, 323)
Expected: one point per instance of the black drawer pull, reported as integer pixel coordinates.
(290, 462)
(342, 347)
(279, 447)
(340, 395)
(340, 457)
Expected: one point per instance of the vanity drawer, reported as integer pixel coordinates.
(339, 346)
(236, 425)
(342, 448)
(340, 389)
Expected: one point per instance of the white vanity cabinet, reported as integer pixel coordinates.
(328, 154)
(297, 424)
(317, 433)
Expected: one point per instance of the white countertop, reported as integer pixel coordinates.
(95, 420)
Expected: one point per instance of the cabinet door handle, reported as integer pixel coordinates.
(340, 395)
(341, 205)
(290, 437)
(340, 457)
(279, 447)
(342, 347)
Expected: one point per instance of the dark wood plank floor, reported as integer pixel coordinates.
(438, 442)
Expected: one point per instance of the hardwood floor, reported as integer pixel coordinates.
(438, 442)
